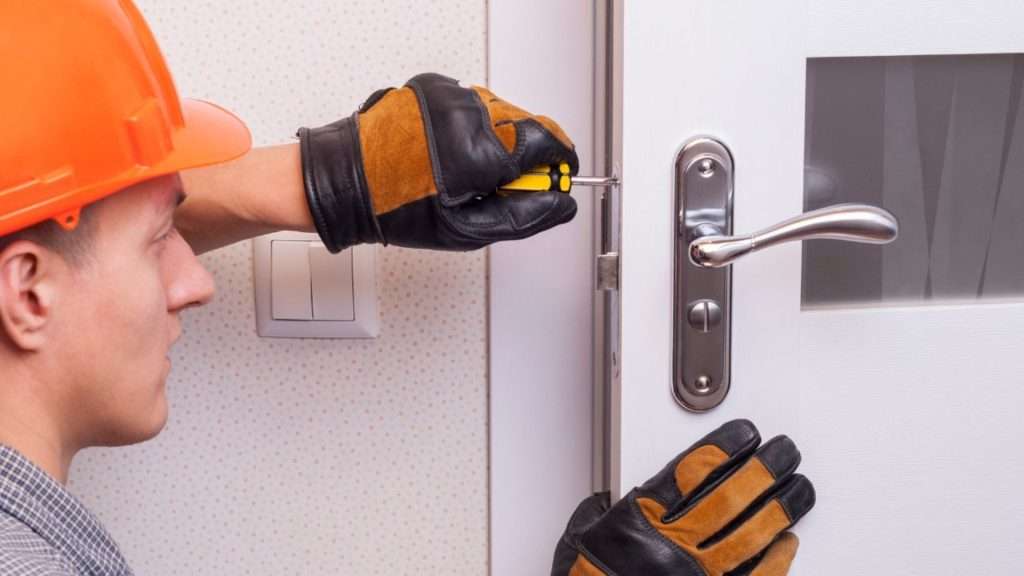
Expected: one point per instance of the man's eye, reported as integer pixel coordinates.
(166, 235)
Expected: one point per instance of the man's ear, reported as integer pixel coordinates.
(28, 291)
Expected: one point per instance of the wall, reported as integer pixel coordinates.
(314, 457)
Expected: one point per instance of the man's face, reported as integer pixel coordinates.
(121, 315)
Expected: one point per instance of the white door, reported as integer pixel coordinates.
(898, 370)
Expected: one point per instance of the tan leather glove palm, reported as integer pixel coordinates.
(719, 509)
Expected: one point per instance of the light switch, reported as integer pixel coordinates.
(333, 279)
(303, 291)
(290, 281)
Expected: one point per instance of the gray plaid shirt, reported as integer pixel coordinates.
(45, 531)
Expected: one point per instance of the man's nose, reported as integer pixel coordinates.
(189, 283)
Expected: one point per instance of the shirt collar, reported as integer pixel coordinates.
(31, 496)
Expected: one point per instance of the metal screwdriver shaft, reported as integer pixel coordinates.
(599, 181)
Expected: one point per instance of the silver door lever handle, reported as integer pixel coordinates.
(849, 222)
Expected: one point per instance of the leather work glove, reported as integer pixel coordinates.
(418, 166)
(720, 508)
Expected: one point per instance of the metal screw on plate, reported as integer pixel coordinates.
(703, 385)
(706, 168)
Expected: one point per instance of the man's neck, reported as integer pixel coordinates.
(26, 426)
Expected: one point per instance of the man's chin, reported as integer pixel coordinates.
(139, 430)
(158, 422)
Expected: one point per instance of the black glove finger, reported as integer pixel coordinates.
(756, 529)
(717, 505)
(706, 461)
(494, 218)
(537, 145)
(774, 561)
(467, 158)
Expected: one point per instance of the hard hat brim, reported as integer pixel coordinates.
(210, 135)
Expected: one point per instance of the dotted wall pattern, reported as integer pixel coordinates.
(314, 456)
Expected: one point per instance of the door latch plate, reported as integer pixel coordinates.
(702, 316)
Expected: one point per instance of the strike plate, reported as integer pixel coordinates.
(702, 319)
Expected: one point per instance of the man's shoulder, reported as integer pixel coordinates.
(25, 553)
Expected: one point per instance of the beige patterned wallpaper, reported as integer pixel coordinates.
(314, 457)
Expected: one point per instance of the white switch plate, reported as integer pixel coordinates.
(312, 288)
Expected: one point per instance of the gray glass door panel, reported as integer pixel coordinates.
(939, 142)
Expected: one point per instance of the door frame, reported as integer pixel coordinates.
(541, 298)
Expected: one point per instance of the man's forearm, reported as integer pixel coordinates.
(259, 193)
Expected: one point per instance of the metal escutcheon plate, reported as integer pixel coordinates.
(703, 198)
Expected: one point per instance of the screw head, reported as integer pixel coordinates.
(706, 168)
(703, 384)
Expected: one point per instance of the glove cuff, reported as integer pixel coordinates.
(336, 189)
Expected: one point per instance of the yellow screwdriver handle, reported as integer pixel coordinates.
(541, 179)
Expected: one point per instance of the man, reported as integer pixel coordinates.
(109, 182)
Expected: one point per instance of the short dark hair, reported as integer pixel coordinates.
(75, 246)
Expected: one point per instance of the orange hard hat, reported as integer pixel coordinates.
(88, 108)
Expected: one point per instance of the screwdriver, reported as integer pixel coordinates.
(545, 178)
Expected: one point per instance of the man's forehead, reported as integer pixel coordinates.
(157, 198)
